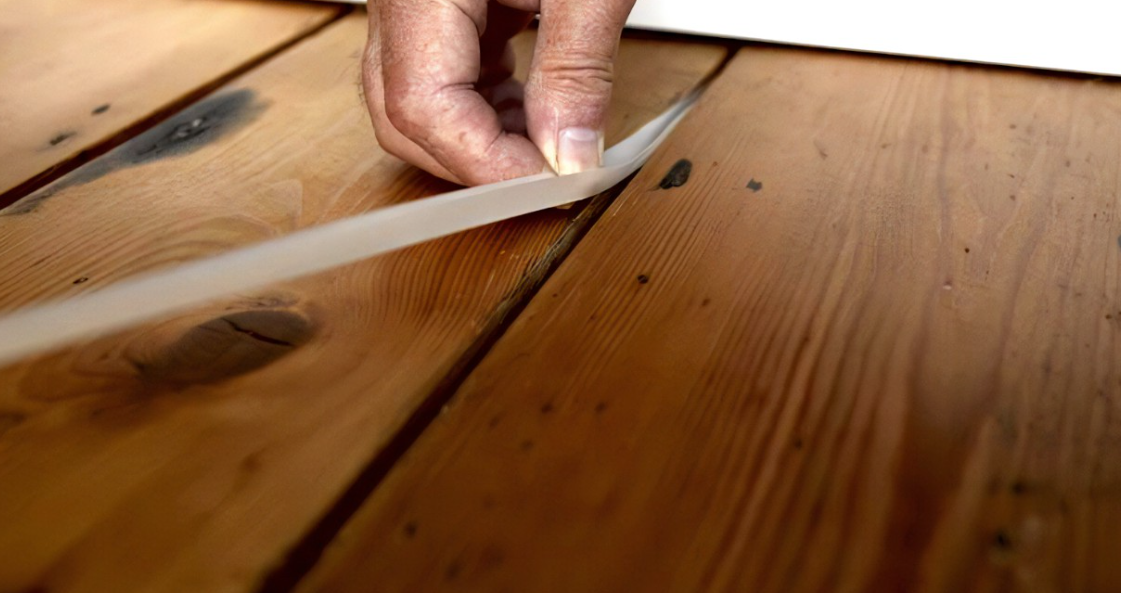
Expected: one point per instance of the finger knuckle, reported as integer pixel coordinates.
(576, 77)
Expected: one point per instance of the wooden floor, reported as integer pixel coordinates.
(870, 343)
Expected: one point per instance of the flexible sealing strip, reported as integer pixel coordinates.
(42, 328)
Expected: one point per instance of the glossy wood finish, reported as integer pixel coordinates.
(871, 344)
(194, 453)
(191, 454)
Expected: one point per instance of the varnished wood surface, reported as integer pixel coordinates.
(192, 454)
(74, 73)
(871, 344)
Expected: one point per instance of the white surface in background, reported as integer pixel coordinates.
(1077, 35)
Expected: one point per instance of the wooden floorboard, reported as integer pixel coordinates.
(75, 74)
(192, 454)
(870, 344)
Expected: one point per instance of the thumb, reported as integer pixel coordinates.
(569, 87)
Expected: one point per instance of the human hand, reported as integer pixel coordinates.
(437, 80)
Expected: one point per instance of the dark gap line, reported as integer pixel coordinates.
(162, 113)
(305, 554)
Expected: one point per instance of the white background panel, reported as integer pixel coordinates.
(1077, 35)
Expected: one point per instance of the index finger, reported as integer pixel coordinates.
(430, 65)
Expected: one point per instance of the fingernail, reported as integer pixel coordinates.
(578, 149)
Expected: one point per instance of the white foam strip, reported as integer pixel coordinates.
(42, 328)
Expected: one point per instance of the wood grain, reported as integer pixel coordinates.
(75, 73)
(192, 454)
(871, 344)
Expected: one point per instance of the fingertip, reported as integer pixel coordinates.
(578, 149)
(568, 93)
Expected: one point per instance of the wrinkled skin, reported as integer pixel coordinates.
(437, 76)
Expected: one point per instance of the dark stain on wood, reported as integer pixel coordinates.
(643, 278)
(100, 109)
(678, 174)
(754, 185)
(10, 420)
(29, 203)
(226, 347)
(189, 130)
(251, 463)
(81, 280)
(62, 137)
(194, 127)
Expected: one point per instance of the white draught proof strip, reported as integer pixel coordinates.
(42, 328)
